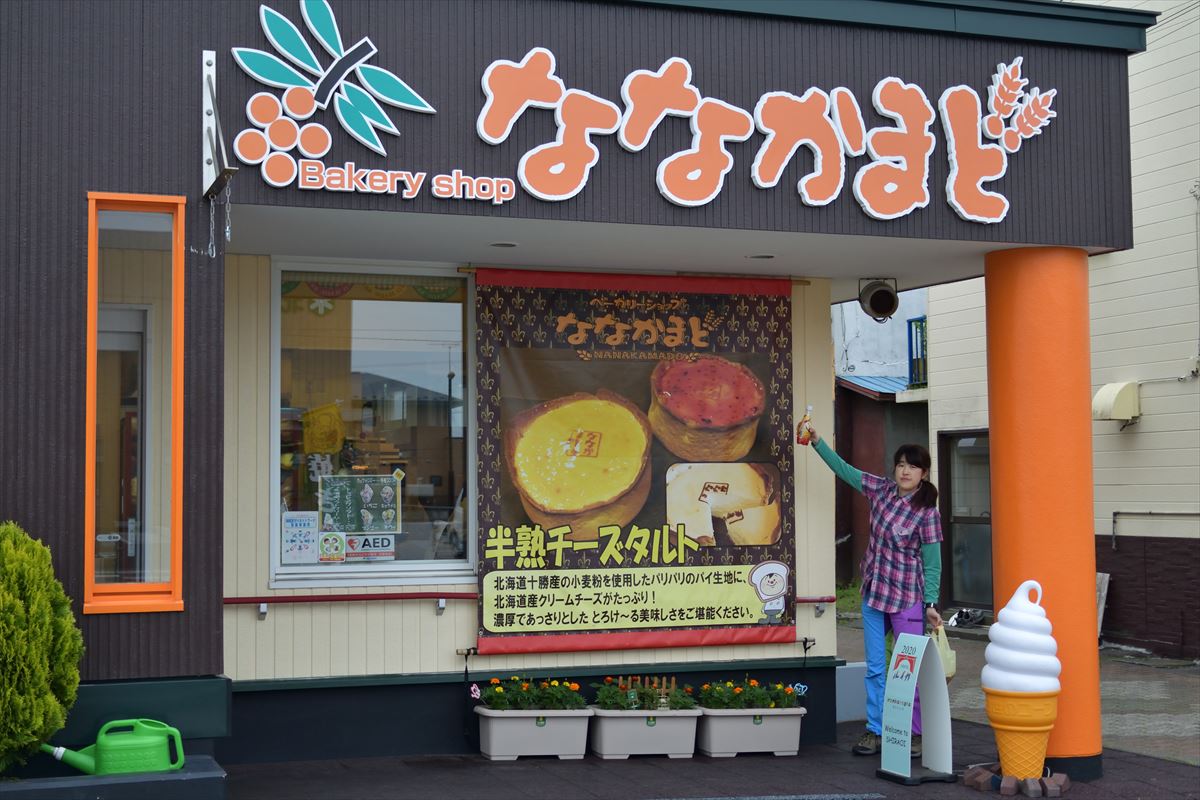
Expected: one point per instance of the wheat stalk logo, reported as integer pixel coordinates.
(356, 107)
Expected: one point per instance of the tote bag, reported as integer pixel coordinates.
(949, 659)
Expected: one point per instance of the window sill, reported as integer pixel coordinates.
(330, 578)
(126, 604)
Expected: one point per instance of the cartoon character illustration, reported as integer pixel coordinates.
(367, 493)
(769, 580)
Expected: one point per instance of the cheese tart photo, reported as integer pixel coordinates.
(725, 504)
(706, 409)
(581, 460)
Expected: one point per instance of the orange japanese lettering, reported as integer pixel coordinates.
(559, 170)
(971, 163)
(848, 116)
(790, 122)
(694, 177)
(511, 88)
(650, 96)
(898, 179)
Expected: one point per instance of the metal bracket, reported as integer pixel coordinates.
(215, 165)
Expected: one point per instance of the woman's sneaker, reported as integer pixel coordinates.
(867, 745)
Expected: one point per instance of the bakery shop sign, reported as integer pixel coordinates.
(288, 134)
(642, 503)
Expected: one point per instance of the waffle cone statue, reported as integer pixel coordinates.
(1020, 682)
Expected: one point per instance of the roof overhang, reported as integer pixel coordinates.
(1031, 20)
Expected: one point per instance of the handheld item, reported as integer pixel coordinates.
(804, 428)
(948, 656)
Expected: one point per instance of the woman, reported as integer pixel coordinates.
(901, 569)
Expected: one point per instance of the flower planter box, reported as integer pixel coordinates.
(728, 731)
(505, 735)
(620, 734)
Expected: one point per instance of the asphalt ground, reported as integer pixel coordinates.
(1151, 722)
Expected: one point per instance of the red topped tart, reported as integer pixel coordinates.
(706, 409)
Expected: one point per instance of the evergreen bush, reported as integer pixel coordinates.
(40, 647)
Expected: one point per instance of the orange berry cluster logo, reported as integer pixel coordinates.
(279, 129)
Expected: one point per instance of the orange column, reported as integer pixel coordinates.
(1039, 401)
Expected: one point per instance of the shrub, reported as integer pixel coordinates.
(641, 694)
(748, 693)
(517, 693)
(40, 647)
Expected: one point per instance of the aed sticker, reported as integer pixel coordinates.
(371, 547)
(333, 547)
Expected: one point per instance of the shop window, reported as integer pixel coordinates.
(372, 440)
(134, 408)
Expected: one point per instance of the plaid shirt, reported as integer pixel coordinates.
(892, 569)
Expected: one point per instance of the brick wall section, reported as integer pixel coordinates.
(1153, 594)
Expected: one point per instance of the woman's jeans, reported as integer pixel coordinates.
(875, 625)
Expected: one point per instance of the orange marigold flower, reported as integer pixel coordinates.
(494, 681)
(545, 685)
(574, 687)
(753, 682)
(706, 686)
(737, 690)
(608, 679)
(789, 690)
(687, 689)
(524, 687)
(622, 687)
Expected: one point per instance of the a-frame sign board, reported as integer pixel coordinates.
(909, 670)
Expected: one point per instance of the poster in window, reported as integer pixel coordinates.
(635, 461)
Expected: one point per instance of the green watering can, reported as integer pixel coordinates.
(125, 745)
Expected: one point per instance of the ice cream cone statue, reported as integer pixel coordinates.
(1020, 682)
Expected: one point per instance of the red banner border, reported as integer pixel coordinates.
(634, 640)
(613, 281)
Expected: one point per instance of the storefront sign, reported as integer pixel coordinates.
(915, 664)
(634, 463)
(979, 137)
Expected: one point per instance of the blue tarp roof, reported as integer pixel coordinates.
(875, 384)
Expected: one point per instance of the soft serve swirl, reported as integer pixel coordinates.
(1021, 656)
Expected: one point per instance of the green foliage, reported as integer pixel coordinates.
(517, 693)
(748, 693)
(849, 597)
(615, 694)
(40, 647)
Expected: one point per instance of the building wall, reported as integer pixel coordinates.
(863, 346)
(1145, 326)
(303, 640)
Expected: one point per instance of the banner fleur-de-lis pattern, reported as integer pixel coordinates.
(511, 317)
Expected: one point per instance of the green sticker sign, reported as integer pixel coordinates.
(360, 503)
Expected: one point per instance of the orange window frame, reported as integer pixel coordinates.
(118, 598)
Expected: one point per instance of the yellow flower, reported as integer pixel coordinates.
(515, 678)
(772, 704)
(499, 690)
(729, 683)
(554, 683)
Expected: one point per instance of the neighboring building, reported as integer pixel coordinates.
(1145, 307)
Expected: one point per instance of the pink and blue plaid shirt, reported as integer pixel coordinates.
(892, 570)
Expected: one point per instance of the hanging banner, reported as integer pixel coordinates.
(635, 461)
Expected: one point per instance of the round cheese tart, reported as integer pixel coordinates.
(707, 409)
(580, 460)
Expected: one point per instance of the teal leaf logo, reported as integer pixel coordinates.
(356, 107)
(320, 20)
(357, 125)
(391, 90)
(266, 68)
(287, 40)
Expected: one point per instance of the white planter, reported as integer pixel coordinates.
(728, 731)
(504, 735)
(620, 734)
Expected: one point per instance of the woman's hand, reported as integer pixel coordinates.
(933, 618)
(806, 427)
